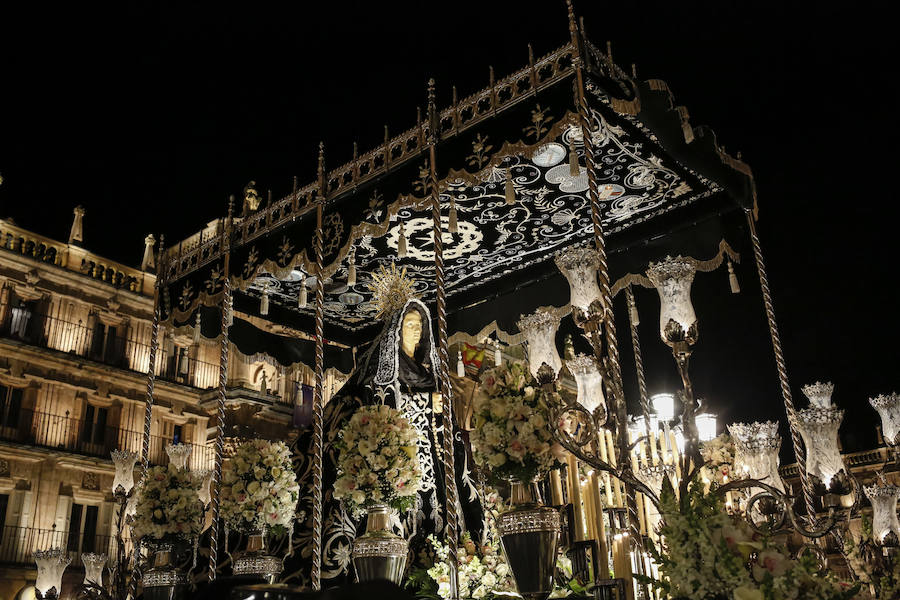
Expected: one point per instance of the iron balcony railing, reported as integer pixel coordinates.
(89, 438)
(102, 344)
(17, 544)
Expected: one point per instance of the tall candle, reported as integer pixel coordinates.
(641, 513)
(611, 448)
(590, 510)
(654, 459)
(575, 495)
(622, 563)
(604, 456)
(603, 559)
(556, 495)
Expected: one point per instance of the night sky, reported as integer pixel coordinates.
(150, 118)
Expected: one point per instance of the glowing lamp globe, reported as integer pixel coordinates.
(588, 381)
(756, 447)
(706, 426)
(884, 509)
(579, 264)
(818, 426)
(51, 564)
(888, 407)
(664, 406)
(178, 455)
(123, 460)
(539, 329)
(672, 278)
(93, 568)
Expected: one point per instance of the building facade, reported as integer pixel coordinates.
(75, 333)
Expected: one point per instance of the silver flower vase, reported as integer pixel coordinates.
(256, 560)
(379, 553)
(529, 535)
(167, 578)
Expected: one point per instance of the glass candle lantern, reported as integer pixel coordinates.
(672, 278)
(888, 407)
(664, 406)
(588, 381)
(51, 564)
(205, 477)
(884, 509)
(579, 264)
(706, 426)
(178, 454)
(756, 448)
(818, 426)
(93, 568)
(539, 329)
(653, 477)
(124, 476)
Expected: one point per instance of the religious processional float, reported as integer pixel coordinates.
(533, 212)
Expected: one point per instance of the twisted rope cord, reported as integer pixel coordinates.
(318, 411)
(612, 347)
(452, 527)
(782, 369)
(148, 419)
(638, 357)
(220, 432)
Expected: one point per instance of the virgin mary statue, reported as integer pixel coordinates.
(398, 370)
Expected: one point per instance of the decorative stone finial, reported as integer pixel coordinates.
(76, 235)
(148, 263)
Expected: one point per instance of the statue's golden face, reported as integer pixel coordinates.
(411, 331)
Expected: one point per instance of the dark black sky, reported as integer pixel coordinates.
(151, 116)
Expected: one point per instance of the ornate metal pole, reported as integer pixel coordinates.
(611, 358)
(318, 409)
(446, 388)
(216, 481)
(148, 407)
(782, 369)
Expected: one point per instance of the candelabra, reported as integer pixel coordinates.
(123, 492)
(678, 328)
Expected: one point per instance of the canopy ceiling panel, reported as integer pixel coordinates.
(654, 172)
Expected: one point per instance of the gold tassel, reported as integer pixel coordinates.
(453, 226)
(510, 188)
(498, 356)
(351, 271)
(229, 316)
(401, 243)
(635, 319)
(302, 298)
(574, 169)
(460, 367)
(197, 328)
(732, 279)
(264, 303)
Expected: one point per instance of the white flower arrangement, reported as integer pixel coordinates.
(718, 454)
(708, 554)
(259, 488)
(511, 421)
(482, 571)
(377, 461)
(167, 505)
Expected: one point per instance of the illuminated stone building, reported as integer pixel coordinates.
(75, 334)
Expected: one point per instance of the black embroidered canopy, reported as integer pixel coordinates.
(657, 175)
